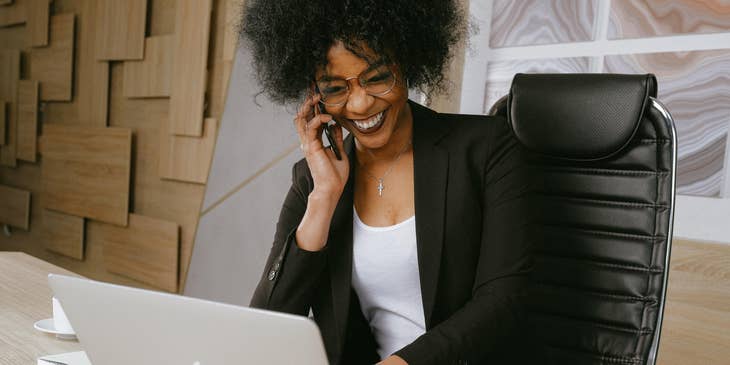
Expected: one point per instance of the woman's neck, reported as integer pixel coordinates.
(402, 135)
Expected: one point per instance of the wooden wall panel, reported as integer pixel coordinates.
(15, 207)
(187, 98)
(10, 75)
(53, 65)
(91, 77)
(63, 234)
(151, 76)
(188, 158)
(13, 14)
(162, 17)
(3, 120)
(39, 12)
(86, 171)
(98, 100)
(27, 120)
(166, 199)
(28, 176)
(120, 29)
(222, 54)
(147, 250)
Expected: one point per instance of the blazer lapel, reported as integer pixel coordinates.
(340, 247)
(430, 174)
(431, 166)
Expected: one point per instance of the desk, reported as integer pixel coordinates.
(25, 298)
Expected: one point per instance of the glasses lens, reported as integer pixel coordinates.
(378, 81)
(333, 91)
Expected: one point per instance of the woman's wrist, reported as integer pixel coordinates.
(313, 230)
(325, 197)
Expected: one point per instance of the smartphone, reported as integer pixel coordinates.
(319, 109)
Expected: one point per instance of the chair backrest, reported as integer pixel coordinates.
(604, 150)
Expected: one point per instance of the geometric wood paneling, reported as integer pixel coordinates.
(98, 100)
(37, 23)
(91, 77)
(63, 234)
(92, 96)
(10, 75)
(150, 77)
(147, 250)
(27, 120)
(188, 158)
(14, 207)
(120, 28)
(53, 65)
(86, 171)
(187, 94)
(219, 76)
(13, 14)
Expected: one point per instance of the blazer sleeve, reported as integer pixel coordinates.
(491, 320)
(290, 274)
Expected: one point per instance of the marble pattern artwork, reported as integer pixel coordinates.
(532, 22)
(695, 87)
(500, 73)
(649, 18)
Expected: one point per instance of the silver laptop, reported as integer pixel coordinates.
(121, 325)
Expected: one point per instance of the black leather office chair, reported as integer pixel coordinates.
(604, 150)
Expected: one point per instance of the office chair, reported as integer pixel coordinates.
(605, 153)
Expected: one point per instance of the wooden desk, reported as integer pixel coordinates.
(25, 298)
(696, 326)
(695, 330)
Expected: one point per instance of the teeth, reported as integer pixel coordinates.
(369, 123)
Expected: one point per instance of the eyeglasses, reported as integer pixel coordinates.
(377, 80)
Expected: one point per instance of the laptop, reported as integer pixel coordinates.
(121, 325)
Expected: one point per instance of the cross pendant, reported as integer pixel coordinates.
(380, 187)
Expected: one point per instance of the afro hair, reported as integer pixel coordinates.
(289, 39)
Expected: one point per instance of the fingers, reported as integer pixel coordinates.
(304, 113)
(313, 129)
(339, 139)
(306, 108)
(310, 125)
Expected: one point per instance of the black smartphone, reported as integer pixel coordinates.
(328, 129)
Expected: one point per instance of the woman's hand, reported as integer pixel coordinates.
(329, 174)
(393, 360)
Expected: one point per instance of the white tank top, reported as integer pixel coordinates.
(385, 278)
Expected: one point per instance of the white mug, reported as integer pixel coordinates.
(60, 321)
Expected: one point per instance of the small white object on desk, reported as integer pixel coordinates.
(60, 321)
(69, 358)
(58, 325)
(46, 325)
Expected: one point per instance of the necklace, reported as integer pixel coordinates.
(381, 186)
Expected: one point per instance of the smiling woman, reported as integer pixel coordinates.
(396, 247)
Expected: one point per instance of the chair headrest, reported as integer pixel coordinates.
(578, 116)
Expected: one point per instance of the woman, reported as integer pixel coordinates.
(411, 248)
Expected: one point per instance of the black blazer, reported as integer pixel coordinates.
(473, 249)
